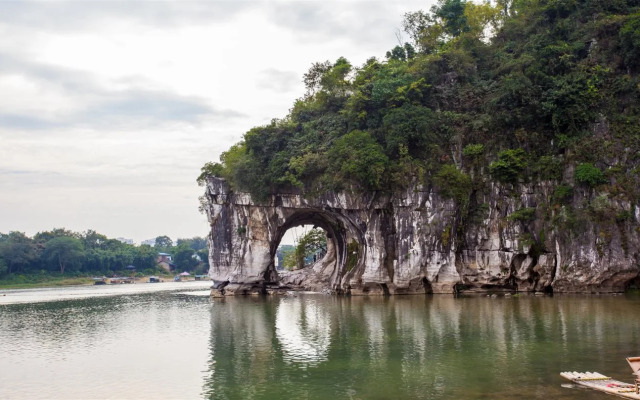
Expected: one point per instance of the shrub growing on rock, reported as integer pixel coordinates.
(588, 174)
(510, 165)
(453, 183)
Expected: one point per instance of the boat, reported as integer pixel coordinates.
(603, 383)
(121, 279)
(99, 281)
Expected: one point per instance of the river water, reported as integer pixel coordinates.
(171, 341)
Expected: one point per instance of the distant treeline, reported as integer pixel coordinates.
(71, 253)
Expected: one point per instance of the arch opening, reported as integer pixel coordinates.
(324, 264)
(301, 247)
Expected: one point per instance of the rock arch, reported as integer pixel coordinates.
(363, 244)
(340, 232)
(245, 236)
(413, 241)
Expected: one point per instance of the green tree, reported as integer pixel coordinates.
(473, 150)
(114, 245)
(41, 238)
(480, 16)
(163, 242)
(449, 20)
(630, 41)
(398, 53)
(93, 240)
(196, 243)
(98, 260)
(424, 30)
(453, 183)
(64, 251)
(313, 78)
(410, 126)
(144, 257)
(184, 257)
(358, 158)
(510, 165)
(289, 259)
(313, 243)
(45, 236)
(18, 251)
(3, 267)
(336, 78)
(209, 170)
(451, 13)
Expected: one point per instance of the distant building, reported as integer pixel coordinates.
(125, 240)
(150, 242)
(164, 260)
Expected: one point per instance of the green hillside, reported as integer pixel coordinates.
(520, 92)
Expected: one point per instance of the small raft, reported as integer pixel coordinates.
(597, 381)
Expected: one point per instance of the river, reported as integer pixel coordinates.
(171, 341)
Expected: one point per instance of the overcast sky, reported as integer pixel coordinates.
(109, 109)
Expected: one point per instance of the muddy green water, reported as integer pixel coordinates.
(173, 342)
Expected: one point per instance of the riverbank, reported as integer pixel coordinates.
(42, 281)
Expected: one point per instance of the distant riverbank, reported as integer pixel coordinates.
(39, 281)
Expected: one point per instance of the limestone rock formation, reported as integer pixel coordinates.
(415, 241)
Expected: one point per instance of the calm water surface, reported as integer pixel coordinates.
(170, 341)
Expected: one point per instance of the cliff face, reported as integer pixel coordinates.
(418, 242)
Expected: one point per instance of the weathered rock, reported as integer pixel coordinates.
(417, 242)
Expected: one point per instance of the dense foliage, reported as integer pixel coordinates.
(513, 91)
(89, 253)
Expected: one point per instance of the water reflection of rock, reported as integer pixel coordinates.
(436, 347)
(303, 330)
(241, 348)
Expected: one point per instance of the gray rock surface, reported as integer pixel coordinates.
(418, 242)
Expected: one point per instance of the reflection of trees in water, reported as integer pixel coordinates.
(435, 347)
(54, 325)
(241, 348)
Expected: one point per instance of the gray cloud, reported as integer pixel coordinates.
(278, 81)
(66, 79)
(155, 106)
(351, 20)
(5, 171)
(81, 15)
(100, 106)
(26, 122)
(32, 178)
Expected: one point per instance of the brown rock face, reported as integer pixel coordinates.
(418, 242)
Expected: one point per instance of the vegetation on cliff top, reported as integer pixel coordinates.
(513, 91)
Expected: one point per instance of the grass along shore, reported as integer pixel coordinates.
(45, 280)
